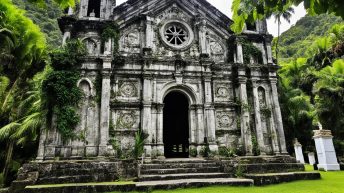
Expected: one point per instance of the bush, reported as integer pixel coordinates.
(193, 152)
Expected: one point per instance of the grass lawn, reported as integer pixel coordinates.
(331, 182)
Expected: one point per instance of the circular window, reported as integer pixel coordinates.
(176, 34)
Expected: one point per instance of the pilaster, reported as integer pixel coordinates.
(258, 123)
(245, 115)
(105, 107)
(277, 115)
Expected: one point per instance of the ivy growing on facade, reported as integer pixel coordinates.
(61, 91)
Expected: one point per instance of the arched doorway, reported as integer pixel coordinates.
(176, 125)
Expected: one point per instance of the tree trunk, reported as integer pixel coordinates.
(278, 38)
(10, 147)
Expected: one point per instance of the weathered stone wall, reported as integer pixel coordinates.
(60, 172)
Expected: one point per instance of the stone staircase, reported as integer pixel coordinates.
(172, 173)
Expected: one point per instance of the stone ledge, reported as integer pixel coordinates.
(276, 178)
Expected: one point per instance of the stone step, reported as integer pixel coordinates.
(272, 167)
(77, 179)
(187, 183)
(180, 176)
(178, 165)
(276, 178)
(78, 171)
(138, 186)
(181, 160)
(180, 170)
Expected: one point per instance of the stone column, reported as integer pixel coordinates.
(200, 127)
(66, 36)
(105, 107)
(298, 152)
(274, 135)
(147, 114)
(276, 110)
(149, 32)
(240, 56)
(325, 150)
(210, 115)
(41, 145)
(160, 132)
(83, 8)
(258, 123)
(269, 53)
(245, 114)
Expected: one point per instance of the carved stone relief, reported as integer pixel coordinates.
(215, 47)
(223, 92)
(91, 46)
(128, 89)
(126, 119)
(173, 13)
(130, 42)
(225, 120)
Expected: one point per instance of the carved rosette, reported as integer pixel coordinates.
(127, 120)
(222, 92)
(224, 120)
(128, 89)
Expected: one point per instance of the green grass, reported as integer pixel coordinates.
(331, 182)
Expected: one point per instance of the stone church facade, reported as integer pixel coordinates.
(184, 81)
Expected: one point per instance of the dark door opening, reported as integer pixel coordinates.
(176, 125)
(94, 7)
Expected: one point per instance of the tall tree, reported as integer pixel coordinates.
(250, 11)
(284, 13)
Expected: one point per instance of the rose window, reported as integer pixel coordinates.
(176, 35)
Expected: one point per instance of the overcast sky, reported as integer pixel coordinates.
(225, 7)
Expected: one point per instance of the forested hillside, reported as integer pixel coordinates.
(312, 79)
(45, 17)
(295, 41)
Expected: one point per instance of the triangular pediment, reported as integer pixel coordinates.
(191, 9)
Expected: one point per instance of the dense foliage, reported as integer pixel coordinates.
(250, 11)
(60, 88)
(22, 56)
(312, 89)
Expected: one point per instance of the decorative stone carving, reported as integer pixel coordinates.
(216, 49)
(91, 46)
(128, 89)
(225, 120)
(127, 120)
(223, 92)
(173, 13)
(130, 42)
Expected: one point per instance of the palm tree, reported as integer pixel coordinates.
(26, 125)
(285, 12)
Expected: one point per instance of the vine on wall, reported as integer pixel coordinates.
(249, 50)
(60, 88)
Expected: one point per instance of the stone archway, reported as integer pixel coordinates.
(176, 125)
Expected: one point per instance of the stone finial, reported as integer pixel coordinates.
(93, 14)
(320, 126)
(296, 142)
